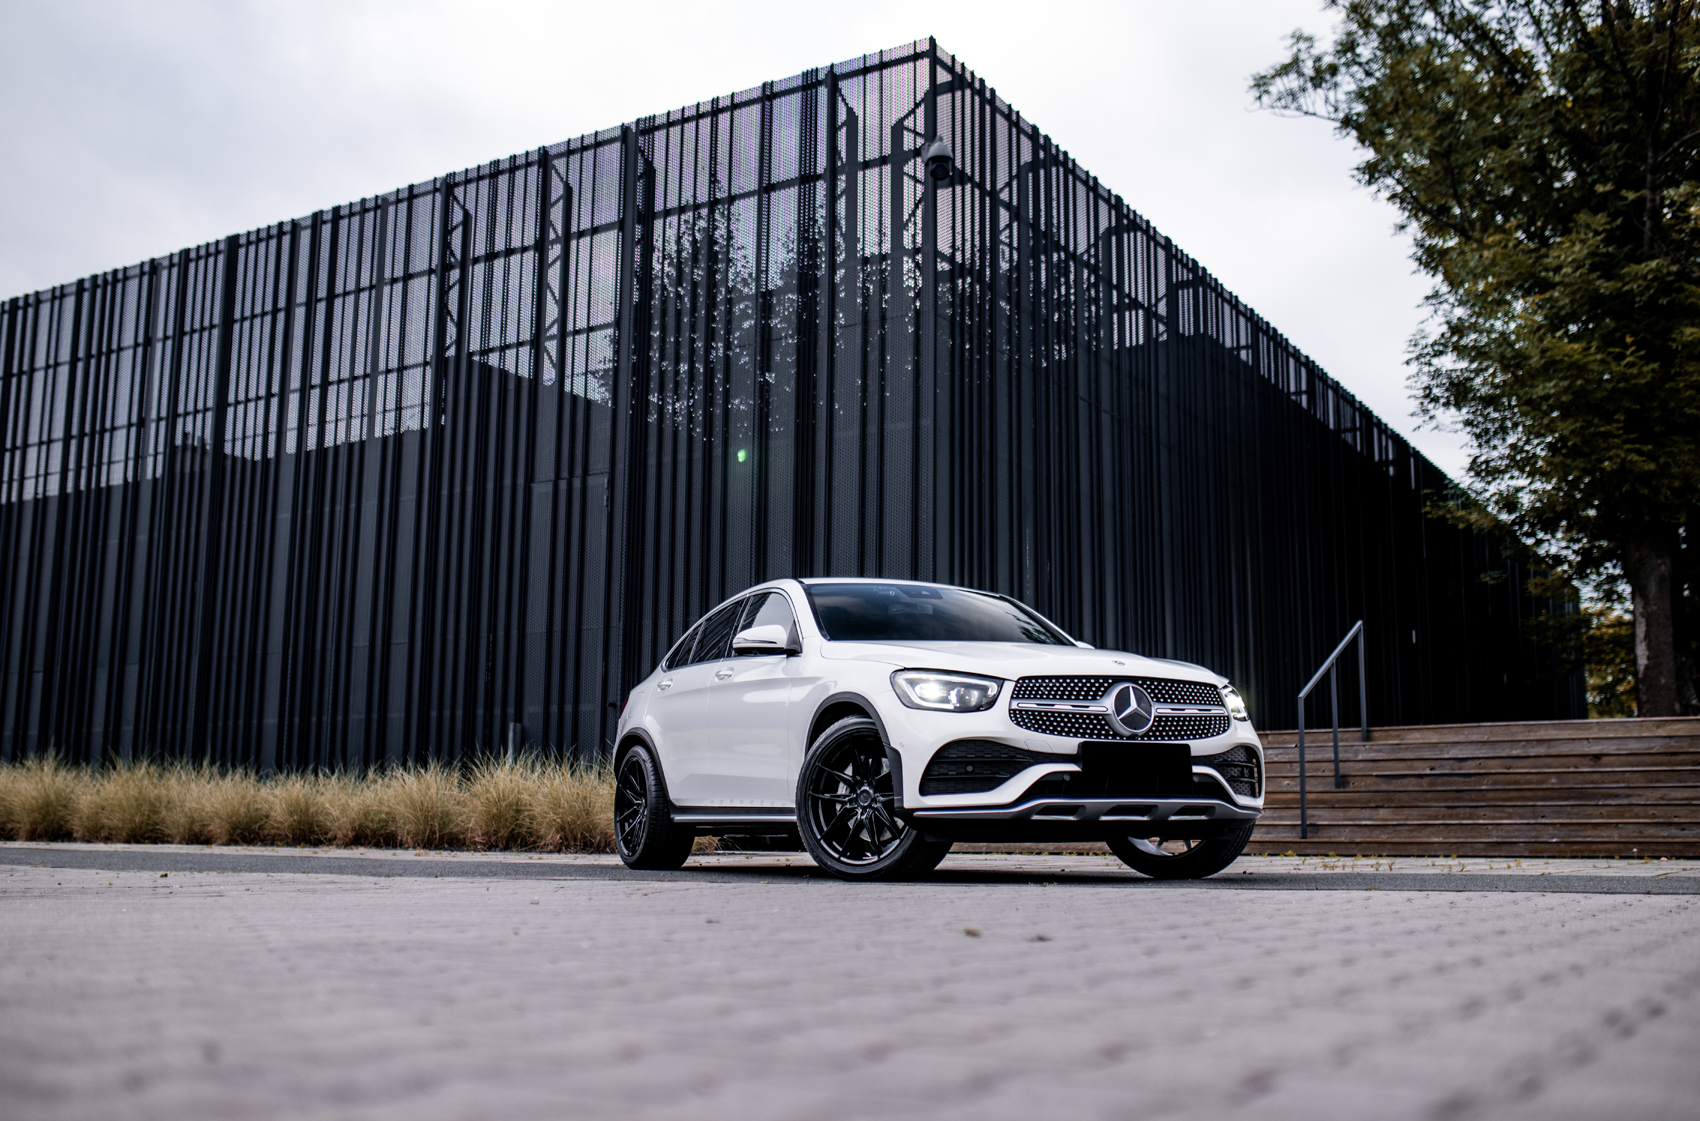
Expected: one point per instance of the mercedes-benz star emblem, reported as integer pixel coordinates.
(1131, 710)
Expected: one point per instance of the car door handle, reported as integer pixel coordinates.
(664, 686)
(722, 675)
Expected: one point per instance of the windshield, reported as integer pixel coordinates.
(916, 613)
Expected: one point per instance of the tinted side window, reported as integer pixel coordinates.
(681, 655)
(715, 641)
(773, 609)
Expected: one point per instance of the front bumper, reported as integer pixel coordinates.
(918, 735)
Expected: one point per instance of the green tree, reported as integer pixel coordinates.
(1545, 157)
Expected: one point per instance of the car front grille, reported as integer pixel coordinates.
(1238, 766)
(976, 766)
(1162, 689)
(1090, 726)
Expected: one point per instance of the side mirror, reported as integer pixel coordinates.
(769, 639)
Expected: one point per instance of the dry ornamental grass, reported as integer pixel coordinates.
(530, 804)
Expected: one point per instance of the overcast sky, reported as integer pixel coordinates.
(132, 128)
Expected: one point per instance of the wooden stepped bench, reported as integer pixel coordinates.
(1621, 788)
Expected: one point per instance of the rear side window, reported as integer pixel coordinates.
(772, 609)
(714, 640)
(681, 655)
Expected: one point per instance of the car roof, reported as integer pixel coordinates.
(813, 580)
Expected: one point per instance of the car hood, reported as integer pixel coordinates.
(1015, 659)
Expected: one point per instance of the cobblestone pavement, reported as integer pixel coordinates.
(1652, 875)
(761, 992)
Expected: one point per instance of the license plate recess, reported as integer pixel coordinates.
(1135, 769)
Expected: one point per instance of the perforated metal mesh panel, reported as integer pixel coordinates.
(380, 483)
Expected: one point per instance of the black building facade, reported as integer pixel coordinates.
(383, 483)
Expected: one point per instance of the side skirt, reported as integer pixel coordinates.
(745, 819)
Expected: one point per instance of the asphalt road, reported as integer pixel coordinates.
(187, 984)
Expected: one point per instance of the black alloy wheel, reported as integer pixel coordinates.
(846, 805)
(1168, 858)
(644, 833)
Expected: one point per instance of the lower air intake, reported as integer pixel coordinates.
(1238, 767)
(976, 766)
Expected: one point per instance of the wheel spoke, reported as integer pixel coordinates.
(845, 779)
(876, 833)
(847, 812)
(858, 838)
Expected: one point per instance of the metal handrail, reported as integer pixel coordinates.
(1334, 704)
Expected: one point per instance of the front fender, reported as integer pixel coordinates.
(844, 701)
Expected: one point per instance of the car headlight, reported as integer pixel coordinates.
(1236, 703)
(945, 692)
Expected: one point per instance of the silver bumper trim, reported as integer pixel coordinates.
(1095, 809)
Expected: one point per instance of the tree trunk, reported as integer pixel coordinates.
(1647, 564)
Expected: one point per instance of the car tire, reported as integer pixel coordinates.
(644, 833)
(1147, 855)
(846, 804)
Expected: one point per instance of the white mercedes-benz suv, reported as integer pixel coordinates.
(879, 721)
